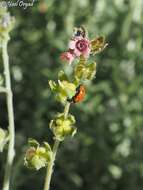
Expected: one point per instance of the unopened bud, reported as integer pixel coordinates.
(63, 127)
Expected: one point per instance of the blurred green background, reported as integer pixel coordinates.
(106, 153)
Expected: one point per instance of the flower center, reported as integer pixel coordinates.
(81, 45)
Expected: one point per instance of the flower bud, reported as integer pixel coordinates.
(37, 156)
(67, 88)
(63, 88)
(98, 44)
(3, 139)
(62, 127)
(6, 23)
(85, 72)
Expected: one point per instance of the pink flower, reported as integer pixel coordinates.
(80, 46)
(67, 56)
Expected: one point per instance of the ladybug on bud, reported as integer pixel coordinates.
(79, 96)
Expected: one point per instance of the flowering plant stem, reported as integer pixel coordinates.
(55, 148)
(11, 152)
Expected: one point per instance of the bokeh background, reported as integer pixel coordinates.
(107, 152)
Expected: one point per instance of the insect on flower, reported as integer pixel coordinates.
(80, 32)
(79, 96)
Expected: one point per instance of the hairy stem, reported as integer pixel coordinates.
(66, 110)
(11, 152)
(50, 166)
(55, 148)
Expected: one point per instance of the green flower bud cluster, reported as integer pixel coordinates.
(63, 127)
(6, 24)
(63, 88)
(37, 156)
(3, 139)
(84, 71)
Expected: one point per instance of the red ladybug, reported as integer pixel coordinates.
(80, 94)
